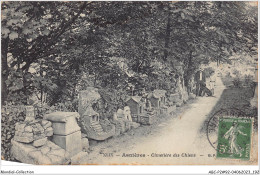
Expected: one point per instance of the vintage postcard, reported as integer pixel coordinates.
(129, 83)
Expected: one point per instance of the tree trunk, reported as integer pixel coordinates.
(188, 73)
(5, 68)
(167, 37)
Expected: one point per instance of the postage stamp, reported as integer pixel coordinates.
(234, 138)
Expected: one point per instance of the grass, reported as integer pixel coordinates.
(237, 99)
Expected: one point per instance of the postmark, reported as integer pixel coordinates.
(234, 138)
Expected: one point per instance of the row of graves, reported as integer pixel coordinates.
(63, 137)
(145, 109)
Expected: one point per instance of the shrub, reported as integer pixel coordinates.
(236, 72)
(208, 71)
(248, 81)
(10, 115)
(110, 101)
(237, 82)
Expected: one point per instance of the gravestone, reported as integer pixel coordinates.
(66, 131)
(119, 124)
(31, 130)
(30, 143)
(89, 118)
(30, 116)
(123, 120)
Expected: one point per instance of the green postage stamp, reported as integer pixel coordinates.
(234, 138)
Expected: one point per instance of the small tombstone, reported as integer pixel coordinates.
(136, 105)
(91, 116)
(120, 114)
(157, 98)
(30, 116)
(119, 124)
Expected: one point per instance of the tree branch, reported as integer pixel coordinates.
(54, 39)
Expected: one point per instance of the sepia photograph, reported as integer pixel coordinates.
(129, 82)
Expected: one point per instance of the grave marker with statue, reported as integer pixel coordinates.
(139, 111)
(90, 119)
(123, 120)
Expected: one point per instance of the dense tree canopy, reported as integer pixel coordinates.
(52, 50)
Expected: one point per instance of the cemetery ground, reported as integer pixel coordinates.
(183, 134)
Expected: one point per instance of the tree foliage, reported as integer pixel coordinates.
(52, 50)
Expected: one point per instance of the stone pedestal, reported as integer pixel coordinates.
(66, 131)
(71, 143)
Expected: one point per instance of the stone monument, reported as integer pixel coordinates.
(30, 144)
(89, 119)
(66, 132)
(123, 120)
